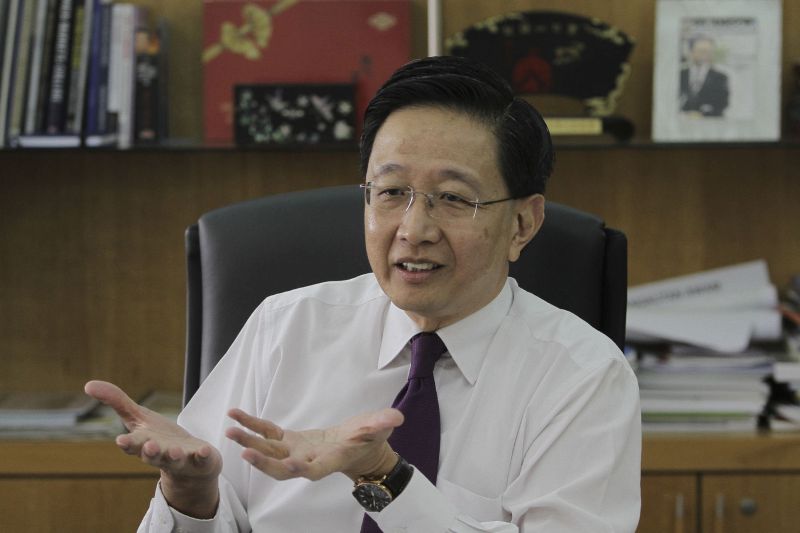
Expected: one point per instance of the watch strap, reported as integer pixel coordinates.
(398, 478)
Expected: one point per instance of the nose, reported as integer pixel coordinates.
(416, 225)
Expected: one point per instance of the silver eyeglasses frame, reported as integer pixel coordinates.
(431, 198)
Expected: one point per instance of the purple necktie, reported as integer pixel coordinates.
(417, 440)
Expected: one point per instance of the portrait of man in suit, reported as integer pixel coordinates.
(704, 89)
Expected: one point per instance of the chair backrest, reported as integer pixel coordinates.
(240, 254)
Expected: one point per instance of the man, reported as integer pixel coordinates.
(704, 89)
(534, 420)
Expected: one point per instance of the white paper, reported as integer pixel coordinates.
(749, 278)
(724, 309)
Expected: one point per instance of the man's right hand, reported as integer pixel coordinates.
(190, 467)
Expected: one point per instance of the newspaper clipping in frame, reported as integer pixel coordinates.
(717, 73)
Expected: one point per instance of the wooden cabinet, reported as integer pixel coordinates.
(720, 503)
(71, 487)
(669, 504)
(720, 484)
(751, 503)
(690, 484)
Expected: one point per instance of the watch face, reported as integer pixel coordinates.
(372, 497)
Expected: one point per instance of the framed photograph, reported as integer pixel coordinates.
(717, 70)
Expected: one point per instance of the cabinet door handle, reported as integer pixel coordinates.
(679, 513)
(719, 514)
(748, 506)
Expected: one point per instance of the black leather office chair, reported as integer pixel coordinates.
(240, 254)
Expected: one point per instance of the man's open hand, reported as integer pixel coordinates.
(189, 466)
(355, 447)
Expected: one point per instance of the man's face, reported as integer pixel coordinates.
(444, 269)
(702, 52)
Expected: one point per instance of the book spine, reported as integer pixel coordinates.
(12, 24)
(93, 72)
(105, 124)
(75, 54)
(83, 71)
(4, 7)
(59, 82)
(163, 78)
(46, 67)
(36, 67)
(22, 71)
(126, 19)
(146, 90)
(3, 24)
(116, 60)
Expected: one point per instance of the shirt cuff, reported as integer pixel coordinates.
(420, 507)
(163, 514)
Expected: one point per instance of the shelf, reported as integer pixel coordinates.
(73, 458)
(732, 452)
(561, 143)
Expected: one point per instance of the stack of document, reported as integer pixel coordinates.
(700, 391)
(43, 410)
(786, 373)
(710, 377)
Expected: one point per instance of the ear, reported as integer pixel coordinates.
(528, 218)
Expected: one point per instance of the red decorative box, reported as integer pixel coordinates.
(298, 41)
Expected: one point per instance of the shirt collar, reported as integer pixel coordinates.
(467, 340)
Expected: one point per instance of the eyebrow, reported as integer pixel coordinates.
(387, 168)
(453, 174)
(447, 173)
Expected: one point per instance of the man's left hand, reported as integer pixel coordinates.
(356, 447)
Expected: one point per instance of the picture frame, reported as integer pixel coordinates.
(717, 72)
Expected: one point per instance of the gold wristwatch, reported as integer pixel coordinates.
(375, 494)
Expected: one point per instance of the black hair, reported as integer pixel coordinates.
(524, 147)
(697, 37)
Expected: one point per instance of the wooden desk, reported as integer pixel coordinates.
(730, 483)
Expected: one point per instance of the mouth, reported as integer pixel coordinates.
(420, 266)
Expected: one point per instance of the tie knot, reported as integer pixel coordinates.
(426, 348)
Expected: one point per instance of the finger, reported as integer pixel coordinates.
(134, 440)
(260, 426)
(388, 418)
(171, 458)
(114, 397)
(272, 467)
(378, 426)
(270, 448)
(151, 449)
(313, 470)
(129, 444)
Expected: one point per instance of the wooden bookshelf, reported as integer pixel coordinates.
(91, 242)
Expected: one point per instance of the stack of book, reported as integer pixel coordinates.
(706, 348)
(37, 415)
(785, 407)
(80, 72)
(686, 390)
(42, 411)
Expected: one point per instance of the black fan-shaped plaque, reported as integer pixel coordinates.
(545, 52)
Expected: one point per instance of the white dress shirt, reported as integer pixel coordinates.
(539, 414)
(697, 77)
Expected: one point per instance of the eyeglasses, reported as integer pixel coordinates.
(445, 205)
